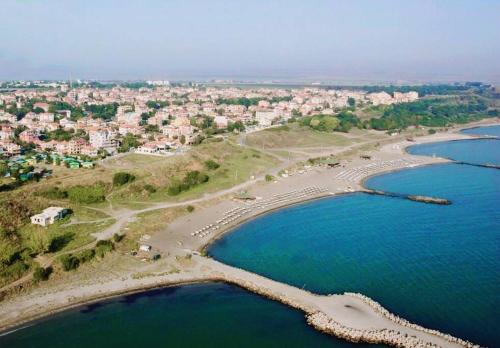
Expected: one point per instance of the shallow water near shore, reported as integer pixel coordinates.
(198, 315)
(438, 266)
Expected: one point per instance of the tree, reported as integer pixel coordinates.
(351, 102)
(129, 141)
(183, 139)
(238, 125)
(3, 168)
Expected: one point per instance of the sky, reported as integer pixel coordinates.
(323, 40)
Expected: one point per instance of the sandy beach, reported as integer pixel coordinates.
(183, 241)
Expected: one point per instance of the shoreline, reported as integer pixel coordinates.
(142, 287)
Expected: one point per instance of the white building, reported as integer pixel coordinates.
(103, 139)
(145, 247)
(265, 118)
(48, 216)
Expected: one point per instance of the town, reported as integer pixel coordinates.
(61, 124)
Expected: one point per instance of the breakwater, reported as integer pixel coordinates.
(416, 198)
(353, 317)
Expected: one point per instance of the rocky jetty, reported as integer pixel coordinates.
(377, 307)
(432, 200)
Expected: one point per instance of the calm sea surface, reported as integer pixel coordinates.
(438, 266)
(201, 315)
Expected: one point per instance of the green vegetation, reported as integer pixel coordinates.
(103, 247)
(269, 177)
(76, 111)
(70, 262)
(157, 104)
(211, 165)
(342, 122)
(251, 101)
(423, 90)
(236, 126)
(41, 274)
(430, 113)
(192, 179)
(129, 141)
(103, 111)
(53, 193)
(122, 178)
(190, 208)
(87, 194)
(293, 135)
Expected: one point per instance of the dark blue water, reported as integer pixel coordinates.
(203, 315)
(436, 265)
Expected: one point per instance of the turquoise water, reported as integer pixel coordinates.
(202, 315)
(436, 265)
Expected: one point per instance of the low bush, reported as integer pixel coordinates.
(122, 178)
(192, 178)
(150, 188)
(211, 165)
(87, 194)
(269, 177)
(190, 208)
(86, 255)
(103, 246)
(53, 193)
(41, 274)
(69, 262)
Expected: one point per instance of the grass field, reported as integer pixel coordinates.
(237, 164)
(295, 136)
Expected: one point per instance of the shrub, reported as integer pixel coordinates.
(190, 208)
(103, 247)
(432, 131)
(53, 193)
(211, 165)
(117, 237)
(57, 243)
(150, 188)
(269, 177)
(122, 178)
(174, 189)
(69, 262)
(15, 270)
(41, 273)
(192, 178)
(87, 194)
(86, 255)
